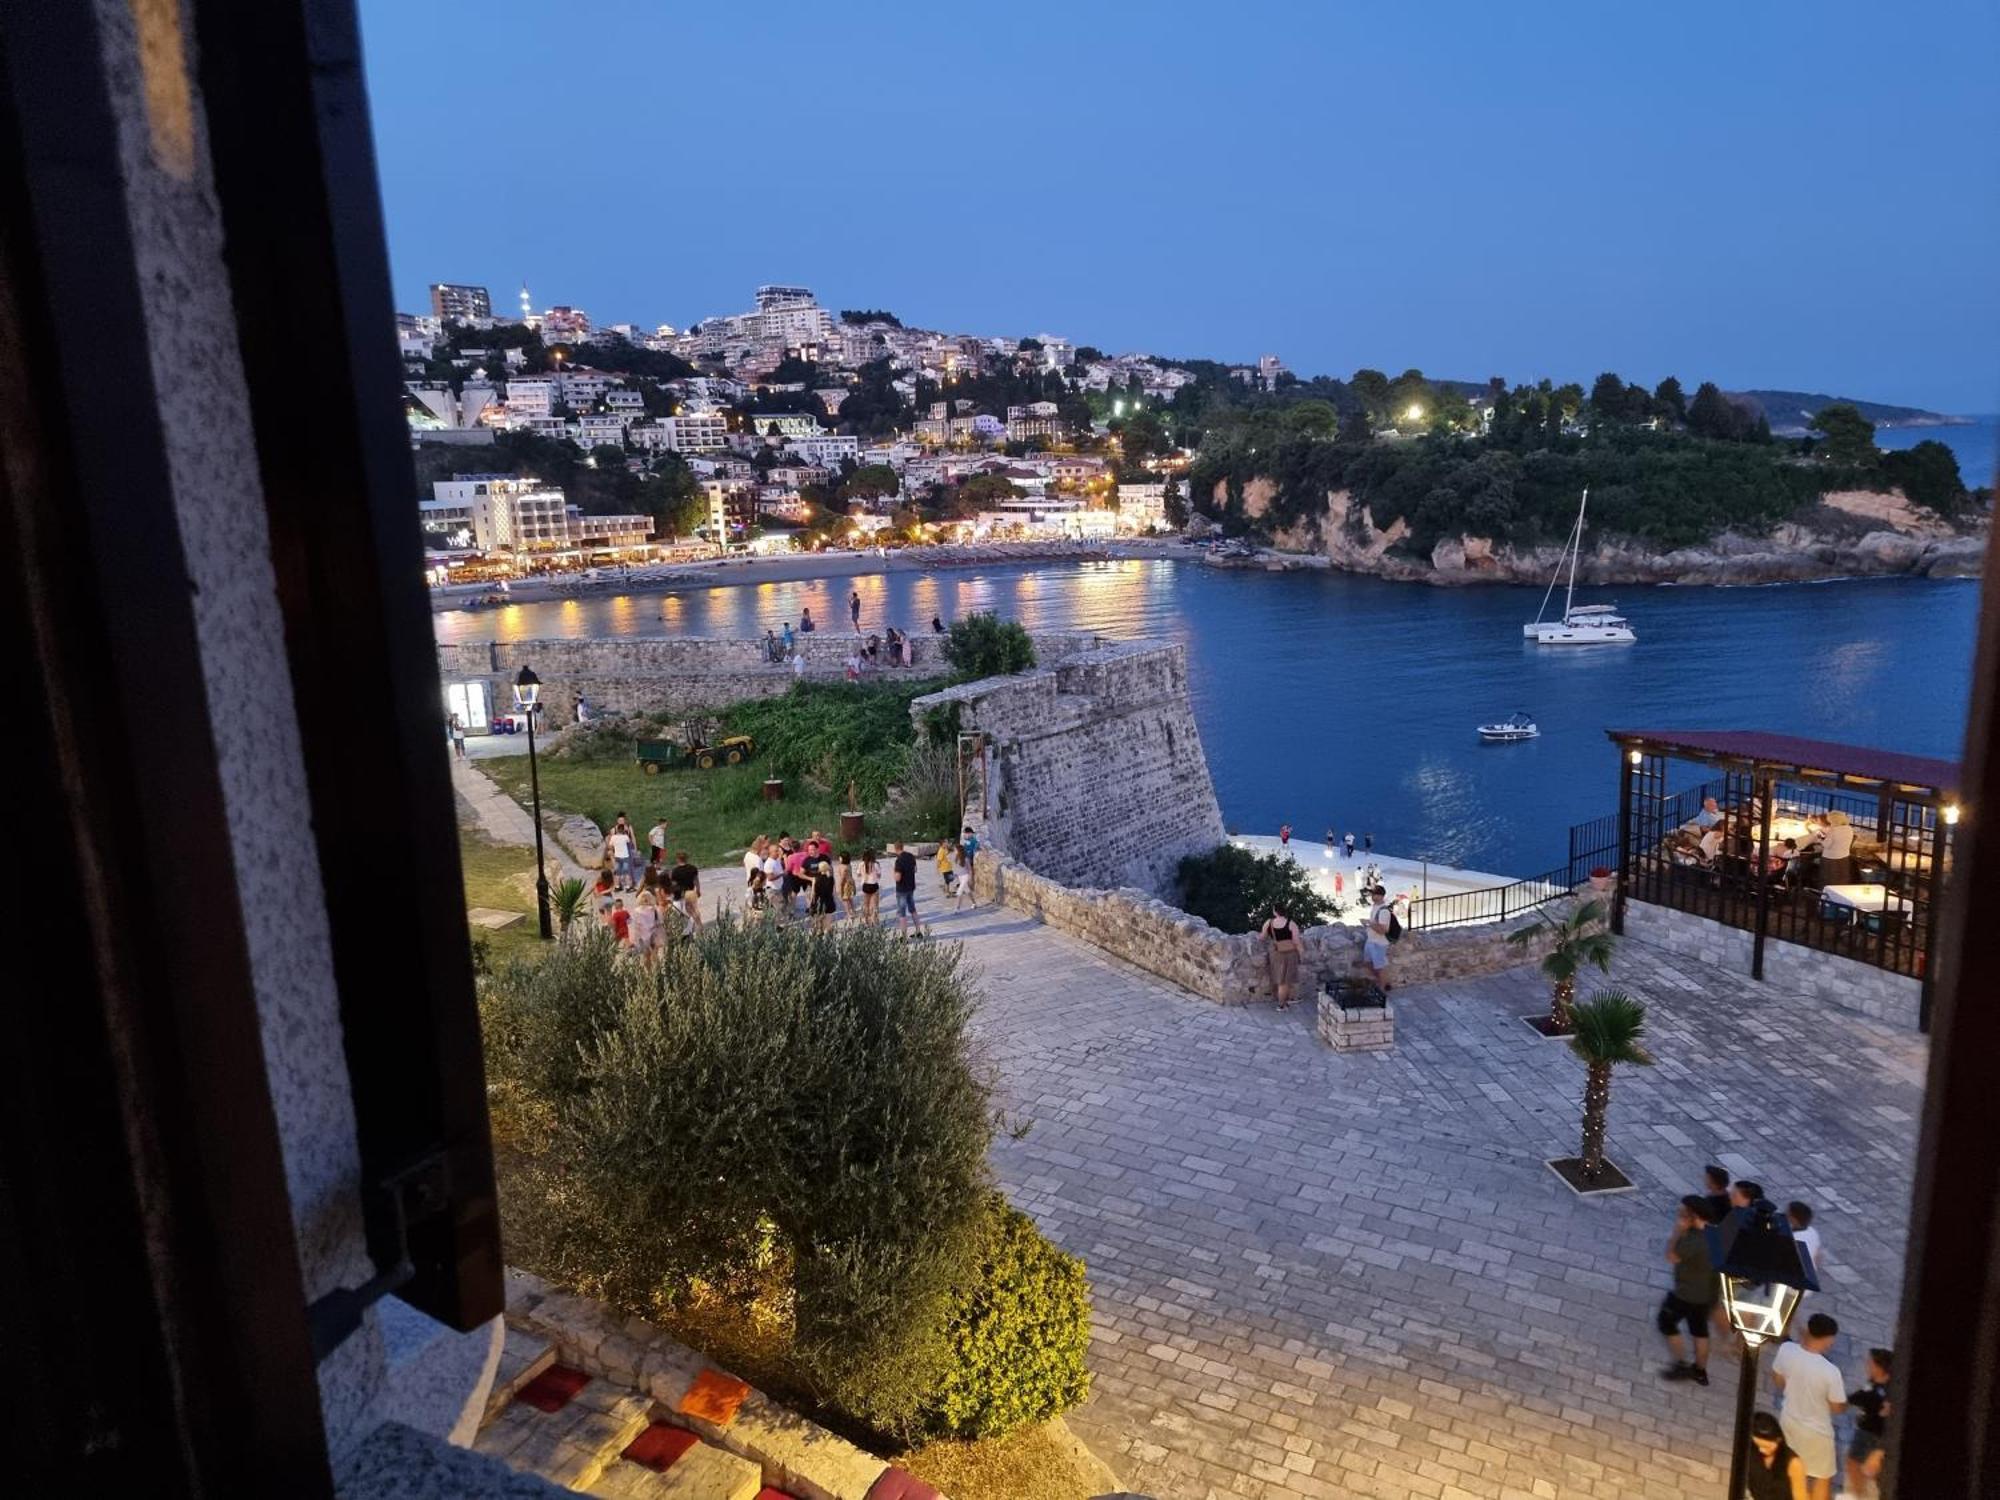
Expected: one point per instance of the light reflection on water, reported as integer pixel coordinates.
(1326, 698)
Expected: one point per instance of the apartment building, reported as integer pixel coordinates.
(504, 512)
(691, 432)
(454, 303)
(731, 509)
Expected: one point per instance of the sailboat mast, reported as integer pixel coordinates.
(1576, 549)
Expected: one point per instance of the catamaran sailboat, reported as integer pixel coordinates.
(1581, 624)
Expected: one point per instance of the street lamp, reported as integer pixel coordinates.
(1764, 1271)
(527, 698)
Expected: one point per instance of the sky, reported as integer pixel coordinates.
(1791, 195)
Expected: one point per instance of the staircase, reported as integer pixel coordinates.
(586, 1434)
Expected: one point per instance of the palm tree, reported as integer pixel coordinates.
(1608, 1027)
(1577, 939)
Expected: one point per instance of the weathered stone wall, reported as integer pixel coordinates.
(682, 673)
(1096, 772)
(1164, 940)
(1846, 982)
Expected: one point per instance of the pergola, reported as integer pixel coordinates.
(1772, 787)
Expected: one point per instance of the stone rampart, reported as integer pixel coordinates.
(680, 674)
(1094, 766)
(1164, 940)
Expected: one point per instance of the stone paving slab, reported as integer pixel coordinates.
(1321, 1274)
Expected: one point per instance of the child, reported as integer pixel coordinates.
(758, 900)
(1800, 1216)
(620, 921)
(1871, 1423)
(947, 876)
(847, 886)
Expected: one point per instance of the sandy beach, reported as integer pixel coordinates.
(723, 572)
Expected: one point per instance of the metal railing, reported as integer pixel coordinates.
(1493, 903)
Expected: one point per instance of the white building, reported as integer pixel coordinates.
(787, 424)
(533, 396)
(826, 450)
(1142, 508)
(504, 512)
(602, 427)
(691, 432)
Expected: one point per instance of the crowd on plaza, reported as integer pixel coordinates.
(784, 879)
(1795, 1453)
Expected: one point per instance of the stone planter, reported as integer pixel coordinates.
(1351, 1021)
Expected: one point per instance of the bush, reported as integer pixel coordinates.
(1235, 890)
(772, 1097)
(1019, 1334)
(983, 645)
(600, 740)
(928, 806)
(831, 733)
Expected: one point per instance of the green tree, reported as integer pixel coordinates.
(1928, 474)
(1371, 388)
(1849, 436)
(1575, 939)
(1713, 415)
(1607, 397)
(1235, 889)
(984, 491)
(1670, 401)
(1608, 1030)
(1174, 504)
(870, 482)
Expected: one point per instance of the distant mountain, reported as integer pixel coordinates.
(1789, 412)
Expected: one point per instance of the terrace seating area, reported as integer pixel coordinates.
(1837, 848)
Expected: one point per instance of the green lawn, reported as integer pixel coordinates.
(713, 815)
(500, 876)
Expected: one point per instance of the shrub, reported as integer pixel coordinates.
(599, 740)
(928, 806)
(1019, 1333)
(982, 644)
(768, 1096)
(1234, 889)
(831, 733)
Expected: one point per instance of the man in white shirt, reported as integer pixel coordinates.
(1709, 815)
(1810, 1395)
(621, 857)
(1800, 1216)
(656, 842)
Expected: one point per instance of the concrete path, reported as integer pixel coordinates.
(1352, 1275)
(503, 820)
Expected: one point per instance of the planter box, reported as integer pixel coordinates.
(1354, 1019)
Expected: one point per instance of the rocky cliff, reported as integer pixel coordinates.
(1848, 534)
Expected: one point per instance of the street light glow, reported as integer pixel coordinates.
(1413, 413)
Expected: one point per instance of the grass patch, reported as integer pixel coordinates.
(1042, 1463)
(712, 814)
(501, 876)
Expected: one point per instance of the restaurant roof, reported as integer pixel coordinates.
(1786, 750)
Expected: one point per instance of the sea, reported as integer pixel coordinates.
(1332, 701)
(1973, 440)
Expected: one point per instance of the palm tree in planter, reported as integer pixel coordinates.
(1608, 1027)
(1578, 938)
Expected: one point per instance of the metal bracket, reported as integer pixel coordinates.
(417, 1192)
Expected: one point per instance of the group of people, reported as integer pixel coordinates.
(1794, 1452)
(1713, 835)
(665, 891)
(890, 645)
(1284, 945)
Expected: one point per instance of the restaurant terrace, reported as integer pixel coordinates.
(1836, 848)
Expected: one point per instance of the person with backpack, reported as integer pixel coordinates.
(1383, 929)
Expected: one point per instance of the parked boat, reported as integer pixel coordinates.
(1581, 624)
(1514, 727)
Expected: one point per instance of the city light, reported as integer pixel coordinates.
(1413, 413)
(1951, 814)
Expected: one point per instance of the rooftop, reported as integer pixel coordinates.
(1788, 752)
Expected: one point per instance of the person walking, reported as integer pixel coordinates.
(854, 609)
(1774, 1471)
(458, 736)
(645, 929)
(871, 889)
(947, 867)
(1800, 1217)
(686, 881)
(1810, 1395)
(1692, 1300)
(968, 855)
(1383, 929)
(1281, 934)
(1871, 1425)
(905, 867)
(1347, 845)
(656, 842)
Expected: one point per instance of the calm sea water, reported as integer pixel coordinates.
(1328, 699)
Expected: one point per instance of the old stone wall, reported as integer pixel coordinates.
(1184, 950)
(1846, 982)
(1095, 769)
(680, 674)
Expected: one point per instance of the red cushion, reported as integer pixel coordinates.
(659, 1445)
(554, 1388)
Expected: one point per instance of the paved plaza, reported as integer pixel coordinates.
(1333, 1275)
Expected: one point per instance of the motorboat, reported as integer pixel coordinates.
(1581, 624)
(1514, 727)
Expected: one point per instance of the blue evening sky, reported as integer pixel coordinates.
(1767, 194)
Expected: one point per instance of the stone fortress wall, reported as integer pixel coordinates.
(682, 673)
(1095, 770)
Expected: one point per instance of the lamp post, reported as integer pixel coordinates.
(527, 698)
(1764, 1271)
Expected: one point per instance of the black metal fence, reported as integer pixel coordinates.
(1494, 903)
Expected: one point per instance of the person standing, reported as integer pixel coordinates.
(1282, 934)
(806, 625)
(1836, 850)
(1691, 1301)
(1774, 1471)
(846, 884)
(619, 841)
(1871, 1425)
(1347, 845)
(871, 888)
(645, 929)
(656, 842)
(620, 922)
(947, 867)
(458, 736)
(854, 609)
(1800, 1217)
(937, 625)
(686, 881)
(1810, 1395)
(968, 855)
(791, 642)
(1382, 929)
(1715, 1192)
(822, 906)
(905, 867)
(1367, 843)
(774, 876)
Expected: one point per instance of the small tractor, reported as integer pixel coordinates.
(694, 748)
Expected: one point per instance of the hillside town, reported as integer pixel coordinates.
(788, 426)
